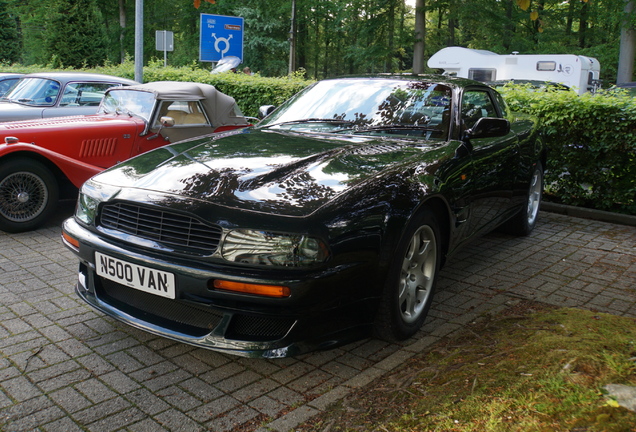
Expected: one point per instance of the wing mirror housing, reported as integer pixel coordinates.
(167, 121)
(489, 127)
(164, 122)
(265, 110)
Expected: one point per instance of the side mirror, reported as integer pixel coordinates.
(166, 121)
(265, 110)
(488, 127)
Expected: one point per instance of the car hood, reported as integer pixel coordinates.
(275, 172)
(44, 130)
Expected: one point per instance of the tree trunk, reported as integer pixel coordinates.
(625, 71)
(583, 25)
(122, 29)
(420, 36)
(388, 62)
(570, 19)
(509, 27)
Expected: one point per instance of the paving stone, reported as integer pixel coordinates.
(65, 367)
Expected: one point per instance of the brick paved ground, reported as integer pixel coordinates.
(64, 367)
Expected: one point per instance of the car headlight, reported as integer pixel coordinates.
(273, 248)
(91, 194)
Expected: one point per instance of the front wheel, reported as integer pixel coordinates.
(411, 280)
(28, 194)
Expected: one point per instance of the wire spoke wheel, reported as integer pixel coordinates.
(28, 194)
(23, 196)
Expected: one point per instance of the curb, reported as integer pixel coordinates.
(586, 213)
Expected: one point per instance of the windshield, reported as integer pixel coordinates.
(35, 91)
(130, 102)
(377, 106)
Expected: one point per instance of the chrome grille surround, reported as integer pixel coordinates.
(176, 231)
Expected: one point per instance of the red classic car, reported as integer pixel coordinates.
(44, 160)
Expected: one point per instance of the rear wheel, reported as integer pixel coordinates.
(411, 280)
(28, 194)
(524, 222)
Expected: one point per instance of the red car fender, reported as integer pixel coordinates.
(77, 172)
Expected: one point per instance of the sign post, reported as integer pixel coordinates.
(165, 43)
(220, 36)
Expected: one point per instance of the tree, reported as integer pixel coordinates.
(75, 36)
(420, 37)
(10, 41)
(627, 46)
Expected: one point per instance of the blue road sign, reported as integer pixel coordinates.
(221, 36)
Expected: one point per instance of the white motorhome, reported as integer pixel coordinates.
(577, 72)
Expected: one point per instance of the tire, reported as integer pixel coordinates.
(524, 222)
(411, 280)
(28, 194)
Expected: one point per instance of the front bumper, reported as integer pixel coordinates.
(233, 323)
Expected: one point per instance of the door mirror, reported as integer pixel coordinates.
(488, 127)
(265, 110)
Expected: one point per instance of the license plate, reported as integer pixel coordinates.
(142, 278)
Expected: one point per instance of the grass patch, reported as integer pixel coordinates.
(541, 370)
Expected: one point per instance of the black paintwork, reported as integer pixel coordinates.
(357, 192)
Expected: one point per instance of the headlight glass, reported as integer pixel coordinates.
(91, 194)
(273, 248)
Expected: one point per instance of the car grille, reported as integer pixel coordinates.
(173, 230)
(252, 328)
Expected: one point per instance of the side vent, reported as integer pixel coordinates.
(98, 147)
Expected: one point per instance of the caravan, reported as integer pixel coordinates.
(577, 72)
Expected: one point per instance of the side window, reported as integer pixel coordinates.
(84, 94)
(475, 105)
(184, 113)
(503, 107)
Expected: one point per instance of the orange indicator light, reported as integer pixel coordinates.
(71, 240)
(257, 289)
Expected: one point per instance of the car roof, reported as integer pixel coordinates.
(219, 106)
(176, 90)
(79, 76)
(449, 80)
(6, 75)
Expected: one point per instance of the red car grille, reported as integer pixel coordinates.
(98, 147)
(176, 231)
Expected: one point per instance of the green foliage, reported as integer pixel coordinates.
(75, 36)
(592, 146)
(338, 37)
(9, 36)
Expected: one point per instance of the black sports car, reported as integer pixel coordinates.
(325, 223)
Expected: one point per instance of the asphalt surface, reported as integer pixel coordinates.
(65, 367)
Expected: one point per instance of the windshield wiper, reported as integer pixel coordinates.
(123, 111)
(388, 127)
(312, 120)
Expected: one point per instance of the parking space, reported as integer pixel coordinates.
(65, 367)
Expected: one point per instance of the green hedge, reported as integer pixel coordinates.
(591, 138)
(250, 92)
(591, 141)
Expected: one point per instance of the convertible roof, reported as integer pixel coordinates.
(218, 106)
